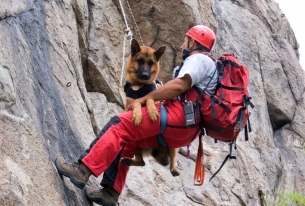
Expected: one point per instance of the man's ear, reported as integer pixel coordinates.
(193, 43)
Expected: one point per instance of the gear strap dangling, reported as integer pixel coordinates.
(229, 156)
(199, 169)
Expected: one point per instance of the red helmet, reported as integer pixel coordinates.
(203, 35)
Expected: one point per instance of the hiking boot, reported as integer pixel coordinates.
(77, 172)
(106, 196)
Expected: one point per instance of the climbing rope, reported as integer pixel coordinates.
(134, 20)
(127, 36)
(124, 14)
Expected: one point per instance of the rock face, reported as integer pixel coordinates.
(60, 82)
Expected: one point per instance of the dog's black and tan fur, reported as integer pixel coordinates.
(142, 69)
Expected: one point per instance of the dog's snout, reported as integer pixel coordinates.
(145, 75)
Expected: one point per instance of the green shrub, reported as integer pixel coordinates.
(285, 198)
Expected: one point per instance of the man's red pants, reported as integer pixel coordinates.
(120, 138)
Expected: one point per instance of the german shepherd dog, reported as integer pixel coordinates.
(142, 69)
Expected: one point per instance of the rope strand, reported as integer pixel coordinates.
(134, 20)
(127, 36)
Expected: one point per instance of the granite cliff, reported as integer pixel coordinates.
(60, 82)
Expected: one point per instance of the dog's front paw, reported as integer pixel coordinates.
(137, 114)
(152, 110)
(175, 172)
(126, 161)
(153, 115)
(136, 118)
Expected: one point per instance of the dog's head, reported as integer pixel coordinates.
(143, 63)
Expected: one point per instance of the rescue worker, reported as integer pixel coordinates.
(120, 137)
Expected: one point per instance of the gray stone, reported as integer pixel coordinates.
(61, 70)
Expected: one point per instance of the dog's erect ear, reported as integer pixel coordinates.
(135, 47)
(160, 52)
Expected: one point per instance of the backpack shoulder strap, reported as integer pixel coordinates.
(202, 91)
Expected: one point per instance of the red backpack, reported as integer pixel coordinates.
(226, 113)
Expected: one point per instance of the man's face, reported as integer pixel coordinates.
(184, 44)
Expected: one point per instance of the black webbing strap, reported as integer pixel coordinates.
(183, 127)
(213, 101)
(232, 88)
(202, 91)
(178, 70)
(246, 133)
(214, 128)
(241, 119)
(247, 101)
(229, 156)
(233, 63)
(229, 62)
(249, 125)
(246, 130)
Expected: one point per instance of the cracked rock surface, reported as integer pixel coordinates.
(60, 82)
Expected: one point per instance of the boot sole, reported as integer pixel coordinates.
(99, 201)
(73, 179)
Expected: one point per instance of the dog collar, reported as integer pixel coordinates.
(135, 87)
(131, 91)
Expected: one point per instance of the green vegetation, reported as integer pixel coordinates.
(285, 198)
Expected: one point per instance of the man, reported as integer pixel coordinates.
(120, 137)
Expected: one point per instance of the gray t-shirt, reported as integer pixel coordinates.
(201, 69)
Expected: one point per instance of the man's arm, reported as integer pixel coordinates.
(168, 91)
